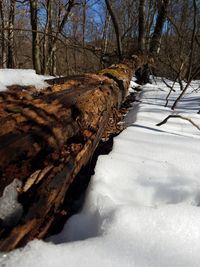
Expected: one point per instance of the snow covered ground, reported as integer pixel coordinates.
(21, 77)
(142, 204)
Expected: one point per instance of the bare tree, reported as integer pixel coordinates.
(35, 36)
(52, 56)
(3, 36)
(157, 34)
(47, 32)
(155, 41)
(190, 74)
(116, 28)
(10, 62)
(141, 26)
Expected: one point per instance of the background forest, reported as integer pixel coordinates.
(76, 36)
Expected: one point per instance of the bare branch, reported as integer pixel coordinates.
(169, 86)
(180, 117)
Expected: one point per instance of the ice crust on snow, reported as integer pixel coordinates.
(22, 77)
(142, 205)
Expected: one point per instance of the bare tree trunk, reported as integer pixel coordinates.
(60, 28)
(10, 63)
(54, 62)
(106, 28)
(105, 40)
(35, 37)
(141, 25)
(155, 41)
(46, 35)
(191, 57)
(3, 36)
(84, 4)
(157, 34)
(116, 28)
(149, 22)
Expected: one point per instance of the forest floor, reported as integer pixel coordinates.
(142, 204)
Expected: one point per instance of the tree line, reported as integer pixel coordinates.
(76, 36)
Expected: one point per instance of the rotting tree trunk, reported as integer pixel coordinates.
(46, 137)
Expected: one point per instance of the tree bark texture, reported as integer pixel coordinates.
(46, 137)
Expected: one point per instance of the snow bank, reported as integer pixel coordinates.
(142, 204)
(21, 77)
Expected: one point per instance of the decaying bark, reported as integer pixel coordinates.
(45, 139)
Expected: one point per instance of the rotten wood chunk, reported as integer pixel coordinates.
(46, 137)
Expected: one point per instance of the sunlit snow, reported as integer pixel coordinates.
(21, 77)
(142, 204)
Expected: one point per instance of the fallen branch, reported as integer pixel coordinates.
(180, 117)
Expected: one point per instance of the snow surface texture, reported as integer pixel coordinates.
(142, 204)
(21, 77)
(10, 209)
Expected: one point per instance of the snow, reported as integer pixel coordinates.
(22, 77)
(10, 209)
(142, 205)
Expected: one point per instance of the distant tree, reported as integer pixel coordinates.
(50, 62)
(141, 26)
(116, 28)
(10, 61)
(35, 36)
(192, 71)
(155, 41)
(47, 36)
(7, 17)
(3, 36)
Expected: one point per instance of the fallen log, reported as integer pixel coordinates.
(46, 137)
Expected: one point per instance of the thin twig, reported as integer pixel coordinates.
(169, 86)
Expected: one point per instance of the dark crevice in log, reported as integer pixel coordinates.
(61, 80)
(74, 199)
(119, 82)
(75, 112)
